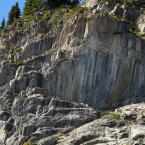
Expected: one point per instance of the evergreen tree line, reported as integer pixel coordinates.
(32, 6)
(14, 14)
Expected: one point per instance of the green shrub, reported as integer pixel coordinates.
(75, 11)
(46, 16)
(46, 52)
(127, 2)
(115, 116)
(60, 134)
(29, 143)
(15, 50)
(16, 62)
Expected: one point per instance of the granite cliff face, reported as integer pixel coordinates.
(55, 74)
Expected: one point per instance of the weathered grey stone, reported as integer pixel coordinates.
(92, 60)
(42, 27)
(141, 23)
(104, 67)
(91, 3)
(36, 47)
(30, 79)
(7, 72)
(4, 115)
(137, 132)
(28, 130)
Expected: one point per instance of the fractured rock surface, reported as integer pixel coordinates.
(65, 84)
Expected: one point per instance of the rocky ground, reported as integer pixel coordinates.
(123, 126)
(74, 76)
(49, 120)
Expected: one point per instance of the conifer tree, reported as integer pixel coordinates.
(17, 11)
(2, 25)
(14, 13)
(10, 16)
(31, 6)
(56, 3)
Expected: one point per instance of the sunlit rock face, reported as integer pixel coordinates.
(91, 3)
(56, 79)
(94, 59)
(107, 69)
(141, 23)
(2, 133)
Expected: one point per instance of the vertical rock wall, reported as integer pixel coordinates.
(107, 69)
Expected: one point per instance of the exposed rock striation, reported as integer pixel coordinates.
(55, 74)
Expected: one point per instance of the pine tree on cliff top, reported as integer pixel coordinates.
(14, 13)
(2, 24)
(17, 11)
(10, 16)
(55, 3)
(31, 6)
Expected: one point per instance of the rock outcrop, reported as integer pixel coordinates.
(76, 77)
(114, 128)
